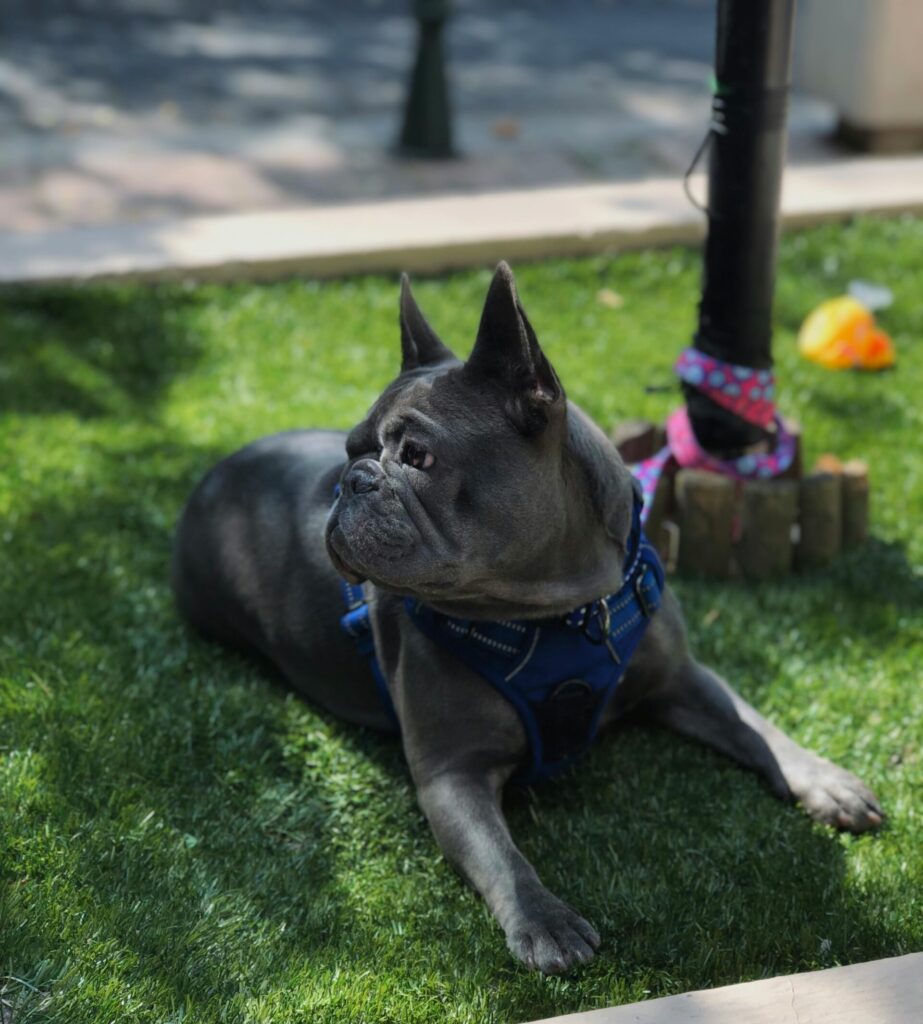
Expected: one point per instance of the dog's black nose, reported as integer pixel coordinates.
(363, 478)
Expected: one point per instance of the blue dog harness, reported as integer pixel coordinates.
(558, 674)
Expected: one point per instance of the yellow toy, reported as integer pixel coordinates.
(841, 334)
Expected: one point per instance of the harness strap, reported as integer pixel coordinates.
(558, 674)
(357, 624)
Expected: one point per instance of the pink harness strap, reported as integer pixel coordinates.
(746, 392)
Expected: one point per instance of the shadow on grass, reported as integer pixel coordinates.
(94, 350)
(871, 578)
(694, 874)
(202, 804)
(889, 412)
(168, 761)
(865, 600)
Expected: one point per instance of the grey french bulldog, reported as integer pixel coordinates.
(480, 491)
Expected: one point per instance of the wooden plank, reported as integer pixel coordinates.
(879, 992)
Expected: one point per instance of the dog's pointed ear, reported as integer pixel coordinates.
(420, 345)
(507, 352)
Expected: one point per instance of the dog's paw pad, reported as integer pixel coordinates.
(834, 796)
(554, 941)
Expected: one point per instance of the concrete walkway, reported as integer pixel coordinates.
(129, 111)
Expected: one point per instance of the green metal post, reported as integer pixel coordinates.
(427, 128)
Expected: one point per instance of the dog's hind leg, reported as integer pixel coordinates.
(698, 703)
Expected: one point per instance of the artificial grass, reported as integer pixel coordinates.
(182, 840)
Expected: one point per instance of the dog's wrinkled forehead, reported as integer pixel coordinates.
(410, 397)
(437, 404)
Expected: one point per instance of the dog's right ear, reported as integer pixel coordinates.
(420, 345)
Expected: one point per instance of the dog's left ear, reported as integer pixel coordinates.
(507, 352)
(420, 345)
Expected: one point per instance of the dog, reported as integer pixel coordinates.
(473, 498)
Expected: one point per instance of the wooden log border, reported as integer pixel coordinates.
(708, 525)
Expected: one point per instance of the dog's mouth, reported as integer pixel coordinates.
(388, 562)
(348, 574)
(430, 589)
(335, 541)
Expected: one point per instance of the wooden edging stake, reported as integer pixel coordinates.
(855, 502)
(705, 509)
(769, 510)
(821, 510)
(637, 439)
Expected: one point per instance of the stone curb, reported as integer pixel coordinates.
(433, 235)
(878, 992)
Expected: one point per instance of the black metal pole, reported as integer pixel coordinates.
(753, 71)
(427, 126)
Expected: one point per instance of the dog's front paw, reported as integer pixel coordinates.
(551, 937)
(834, 796)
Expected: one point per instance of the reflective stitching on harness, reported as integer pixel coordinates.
(506, 648)
(624, 603)
(633, 621)
(525, 661)
(475, 635)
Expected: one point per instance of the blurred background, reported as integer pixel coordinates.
(134, 110)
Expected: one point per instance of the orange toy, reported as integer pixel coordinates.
(841, 334)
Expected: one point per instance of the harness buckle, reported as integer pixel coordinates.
(604, 621)
(647, 606)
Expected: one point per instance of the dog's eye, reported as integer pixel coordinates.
(414, 455)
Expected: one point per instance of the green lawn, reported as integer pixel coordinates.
(181, 840)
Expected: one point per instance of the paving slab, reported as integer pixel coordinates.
(879, 992)
(433, 235)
